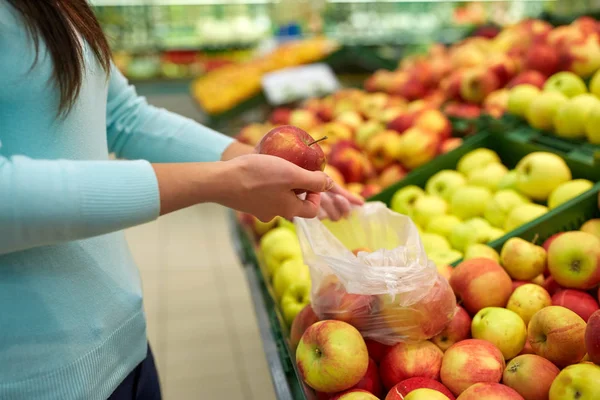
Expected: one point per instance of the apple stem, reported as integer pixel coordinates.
(535, 238)
(317, 141)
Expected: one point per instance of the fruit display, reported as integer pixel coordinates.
(460, 210)
(228, 86)
(476, 74)
(372, 139)
(565, 106)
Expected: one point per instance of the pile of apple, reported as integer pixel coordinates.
(563, 106)
(516, 336)
(474, 74)
(482, 200)
(373, 139)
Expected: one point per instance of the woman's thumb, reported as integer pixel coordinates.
(313, 181)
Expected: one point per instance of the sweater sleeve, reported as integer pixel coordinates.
(43, 202)
(137, 130)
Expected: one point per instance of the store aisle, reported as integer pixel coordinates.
(201, 322)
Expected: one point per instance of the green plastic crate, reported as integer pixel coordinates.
(567, 217)
(511, 148)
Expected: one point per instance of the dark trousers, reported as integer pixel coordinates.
(141, 384)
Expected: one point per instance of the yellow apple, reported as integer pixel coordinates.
(520, 215)
(488, 177)
(469, 201)
(543, 108)
(520, 98)
(442, 224)
(433, 243)
(444, 183)
(404, 199)
(539, 173)
(426, 207)
(571, 116)
(528, 299)
(567, 191)
(477, 159)
(501, 327)
(479, 250)
(522, 260)
(501, 204)
(290, 271)
(425, 394)
(567, 83)
(592, 125)
(579, 381)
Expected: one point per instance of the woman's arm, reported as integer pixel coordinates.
(138, 130)
(44, 202)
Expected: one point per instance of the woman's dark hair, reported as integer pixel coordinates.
(61, 24)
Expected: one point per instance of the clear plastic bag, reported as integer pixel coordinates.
(390, 292)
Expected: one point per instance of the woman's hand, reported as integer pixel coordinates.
(337, 203)
(266, 186)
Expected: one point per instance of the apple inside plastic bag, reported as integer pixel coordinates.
(391, 294)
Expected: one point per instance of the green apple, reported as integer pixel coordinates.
(508, 181)
(522, 260)
(488, 176)
(294, 299)
(426, 207)
(332, 356)
(480, 250)
(444, 183)
(442, 224)
(567, 191)
(574, 260)
(433, 243)
(595, 84)
(477, 159)
(495, 233)
(404, 199)
(470, 201)
(445, 257)
(478, 223)
(501, 327)
(290, 271)
(522, 214)
(528, 299)
(278, 245)
(520, 97)
(577, 381)
(569, 121)
(543, 108)
(284, 223)
(592, 125)
(539, 173)
(463, 235)
(501, 204)
(566, 83)
(263, 227)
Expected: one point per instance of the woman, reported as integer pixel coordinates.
(72, 324)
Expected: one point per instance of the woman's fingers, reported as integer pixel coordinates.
(329, 206)
(337, 189)
(309, 207)
(311, 181)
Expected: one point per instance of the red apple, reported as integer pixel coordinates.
(376, 350)
(354, 166)
(516, 284)
(434, 120)
(280, 116)
(503, 67)
(462, 110)
(458, 329)
(371, 381)
(390, 175)
(592, 338)
(333, 302)
(401, 317)
(557, 334)
(490, 391)
(534, 78)
(480, 283)
(551, 286)
(542, 58)
(355, 394)
(303, 320)
(294, 145)
(520, 370)
(549, 241)
(370, 190)
(527, 349)
(477, 84)
(471, 361)
(409, 360)
(417, 147)
(400, 390)
(402, 122)
(577, 301)
(574, 260)
(332, 356)
(383, 149)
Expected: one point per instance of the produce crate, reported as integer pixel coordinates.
(521, 131)
(566, 217)
(511, 147)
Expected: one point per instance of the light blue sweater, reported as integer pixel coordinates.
(72, 324)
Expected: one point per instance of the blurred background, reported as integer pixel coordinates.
(209, 60)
